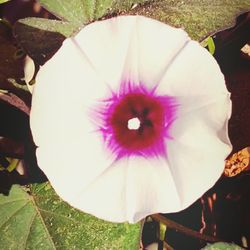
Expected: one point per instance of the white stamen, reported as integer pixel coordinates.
(134, 123)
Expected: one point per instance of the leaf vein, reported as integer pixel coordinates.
(44, 225)
(1, 226)
(29, 230)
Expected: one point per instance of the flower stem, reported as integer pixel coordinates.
(180, 228)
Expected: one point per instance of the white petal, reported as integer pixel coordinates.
(106, 43)
(198, 149)
(200, 134)
(157, 46)
(193, 73)
(133, 47)
(69, 169)
(66, 90)
(150, 188)
(61, 121)
(106, 196)
(129, 190)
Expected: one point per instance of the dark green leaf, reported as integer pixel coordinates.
(40, 220)
(64, 28)
(41, 38)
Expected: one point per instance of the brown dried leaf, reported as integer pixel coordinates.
(237, 163)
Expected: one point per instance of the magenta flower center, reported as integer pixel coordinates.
(136, 122)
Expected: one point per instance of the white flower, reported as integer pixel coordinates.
(130, 119)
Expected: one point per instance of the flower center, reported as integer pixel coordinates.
(137, 121)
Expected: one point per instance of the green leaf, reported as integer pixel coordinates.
(198, 17)
(37, 219)
(78, 12)
(209, 43)
(222, 246)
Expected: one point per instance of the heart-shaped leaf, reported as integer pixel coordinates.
(35, 218)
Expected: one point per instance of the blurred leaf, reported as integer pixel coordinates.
(22, 104)
(4, 1)
(37, 219)
(78, 12)
(11, 57)
(222, 246)
(14, 123)
(11, 65)
(64, 28)
(11, 148)
(11, 62)
(41, 38)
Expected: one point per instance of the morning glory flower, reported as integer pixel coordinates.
(130, 118)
